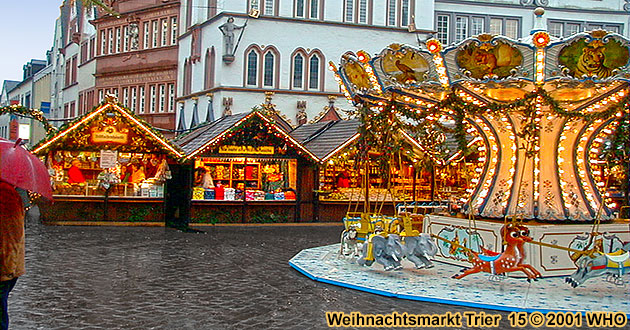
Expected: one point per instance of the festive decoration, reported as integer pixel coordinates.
(115, 124)
(507, 98)
(254, 130)
(30, 113)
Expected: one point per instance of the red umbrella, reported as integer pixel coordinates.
(22, 169)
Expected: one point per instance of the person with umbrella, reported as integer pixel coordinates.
(18, 169)
(11, 245)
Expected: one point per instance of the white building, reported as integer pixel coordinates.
(286, 50)
(286, 44)
(72, 86)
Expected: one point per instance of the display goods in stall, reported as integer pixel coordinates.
(107, 156)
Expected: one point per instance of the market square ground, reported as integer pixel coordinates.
(156, 278)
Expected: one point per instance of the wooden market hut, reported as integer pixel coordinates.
(108, 165)
(247, 168)
(332, 141)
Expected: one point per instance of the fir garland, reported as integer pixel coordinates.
(30, 113)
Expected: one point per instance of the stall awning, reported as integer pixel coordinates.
(325, 139)
(109, 126)
(213, 134)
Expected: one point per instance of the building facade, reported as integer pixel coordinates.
(283, 46)
(72, 82)
(233, 52)
(28, 93)
(136, 58)
(456, 20)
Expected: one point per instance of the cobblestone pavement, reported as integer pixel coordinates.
(157, 278)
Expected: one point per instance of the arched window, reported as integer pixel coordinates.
(313, 74)
(209, 72)
(298, 71)
(187, 77)
(252, 68)
(268, 69)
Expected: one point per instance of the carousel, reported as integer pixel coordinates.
(541, 222)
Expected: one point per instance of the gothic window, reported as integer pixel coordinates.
(209, 68)
(269, 65)
(298, 70)
(189, 11)
(187, 77)
(252, 68)
(313, 74)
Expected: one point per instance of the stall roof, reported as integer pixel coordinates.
(206, 136)
(324, 139)
(66, 136)
(202, 134)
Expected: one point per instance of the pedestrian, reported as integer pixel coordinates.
(11, 245)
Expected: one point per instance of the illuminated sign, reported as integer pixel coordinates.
(109, 134)
(264, 150)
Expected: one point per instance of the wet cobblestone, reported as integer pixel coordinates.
(157, 278)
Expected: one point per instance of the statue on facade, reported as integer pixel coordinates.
(228, 30)
(133, 36)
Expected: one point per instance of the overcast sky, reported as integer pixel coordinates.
(26, 32)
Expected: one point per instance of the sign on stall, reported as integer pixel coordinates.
(263, 150)
(108, 158)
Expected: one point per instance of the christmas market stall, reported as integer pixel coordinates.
(424, 175)
(247, 168)
(107, 165)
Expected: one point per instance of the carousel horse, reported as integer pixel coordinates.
(614, 265)
(511, 260)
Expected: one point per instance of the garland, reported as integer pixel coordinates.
(30, 113)
(140, 143)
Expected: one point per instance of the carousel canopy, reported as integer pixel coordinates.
(543, 109)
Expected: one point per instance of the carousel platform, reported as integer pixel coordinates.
(324, 264)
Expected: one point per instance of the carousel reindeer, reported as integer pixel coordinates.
(511, 260)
